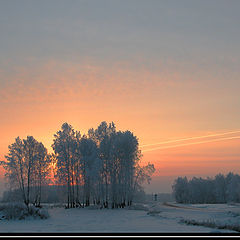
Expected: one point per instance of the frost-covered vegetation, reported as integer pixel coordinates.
(148, 217)
(221, 189)
(19, 211)
(27, 167)
(212, 224)
(100, 168)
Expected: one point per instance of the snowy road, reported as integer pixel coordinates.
(161, 218)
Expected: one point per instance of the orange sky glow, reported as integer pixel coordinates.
(192, 144)
(166, 70)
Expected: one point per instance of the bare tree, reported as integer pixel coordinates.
(25, 166)
(41, 171)
(64, 146)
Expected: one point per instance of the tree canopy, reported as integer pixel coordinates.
(100, 167)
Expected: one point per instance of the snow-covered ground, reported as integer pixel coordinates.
(158, 218)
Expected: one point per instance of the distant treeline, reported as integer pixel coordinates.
(220, 189)
(100, 167)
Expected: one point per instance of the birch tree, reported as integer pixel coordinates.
(90, 166)
(64, 145)
(15, 167)
(101, 136)
(25, 166)
(41, 171)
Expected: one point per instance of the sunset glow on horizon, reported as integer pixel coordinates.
(164, 70)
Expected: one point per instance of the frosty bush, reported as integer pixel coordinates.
(14, 211)
(43, 213)
(20, 211)
(212, 224)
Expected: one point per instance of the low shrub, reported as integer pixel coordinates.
(212, 224)
(20, 211)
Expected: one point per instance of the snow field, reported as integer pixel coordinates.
(158, 218)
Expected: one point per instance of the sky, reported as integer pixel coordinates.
(163, 69)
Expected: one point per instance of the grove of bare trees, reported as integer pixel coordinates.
(220, 189)
(101, 167)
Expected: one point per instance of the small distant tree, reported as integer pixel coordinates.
(181, 190)
(142, 174)
(220, 188)
(233, 187)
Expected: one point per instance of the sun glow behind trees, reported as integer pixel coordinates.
(101, 167)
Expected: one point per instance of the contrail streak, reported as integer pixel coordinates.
(190, 138)
(187, 144)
